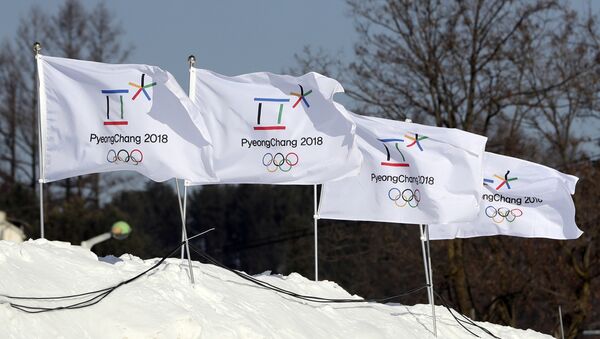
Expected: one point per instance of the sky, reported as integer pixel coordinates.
(226, 36)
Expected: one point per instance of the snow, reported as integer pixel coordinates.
(164, 304)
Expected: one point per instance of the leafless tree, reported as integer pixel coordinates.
(18, 112)
(523, 73)
(103, 36)
(73, 32)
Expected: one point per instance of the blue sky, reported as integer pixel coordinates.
(229, 37)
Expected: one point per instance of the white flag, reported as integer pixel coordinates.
(521, 199)
(276, 129)
(98, 117)
(411, 173)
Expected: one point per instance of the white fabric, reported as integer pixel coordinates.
(291, 140)
(159, 126)
(538, 203)
(438, 178)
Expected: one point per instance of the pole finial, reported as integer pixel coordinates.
(192, 60)
(37, 47)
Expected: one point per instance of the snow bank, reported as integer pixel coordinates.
(163, 304)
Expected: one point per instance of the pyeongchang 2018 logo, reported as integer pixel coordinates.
(116, 96)
(503, 183)
(500, 181)
(413, 139)
(277, 105)
(139, 97)
(394, 157)
(270, 116)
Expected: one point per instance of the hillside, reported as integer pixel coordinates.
(163, 304)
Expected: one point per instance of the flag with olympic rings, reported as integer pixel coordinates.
(521, 199)
(276, 129)
(411, 173)
(97, 117)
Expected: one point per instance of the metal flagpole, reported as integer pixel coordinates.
(425, 264)
(36, 49)
(183, 209)
(191, 62)
(562, 330)
(182, 213)
(187, 242)
(316, 218)
(426, 231)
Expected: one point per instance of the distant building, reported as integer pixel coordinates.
(9, 231)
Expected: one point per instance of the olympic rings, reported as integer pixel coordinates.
(135, 156)
(409, 197)
(502, 213)
(279, 161)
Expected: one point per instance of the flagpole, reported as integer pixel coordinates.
(191, 62)
(187, 242)
(316, 218)
(183, 209)
(36, 49)
(191, 89)
(562, 330)
(426, 231)
(426, 270)
(182, 213)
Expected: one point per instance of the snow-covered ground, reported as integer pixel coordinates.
(164, 304)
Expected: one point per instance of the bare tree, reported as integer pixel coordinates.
(562, 118)
(31, 28)
(68, 30)
(103, 34)
(582, 256)
(452, 63)
(558, 115)
(18, 113)
(8, 111)
(523, 73)
(72, 32)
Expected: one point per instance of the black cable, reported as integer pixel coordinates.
(467, 320)
(330, 300)
(89, 302)
(55, 298)
(297, 295)
(103, 293)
